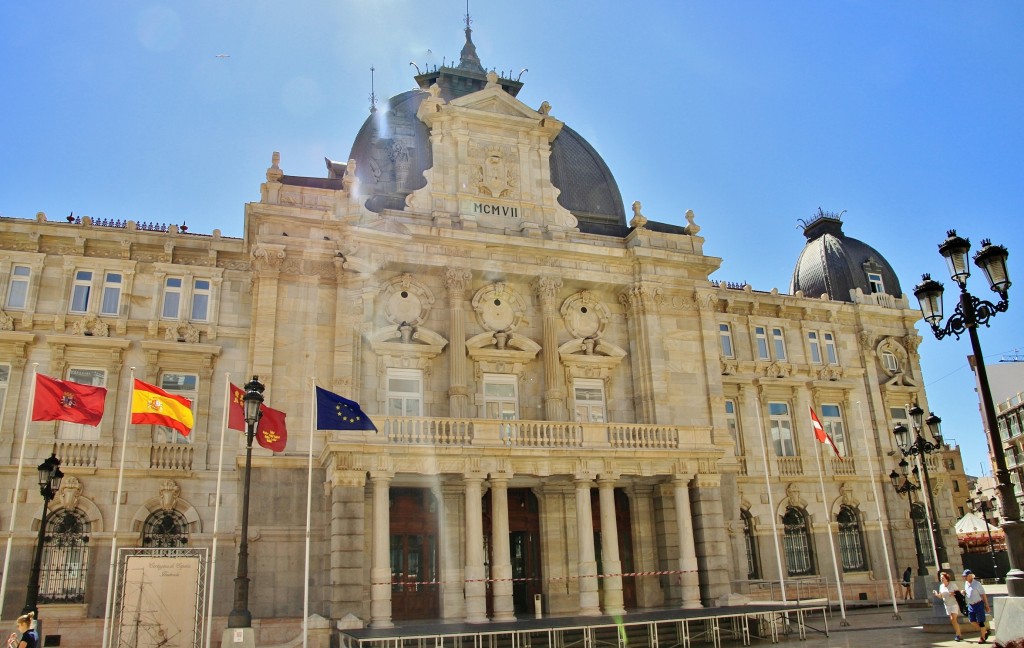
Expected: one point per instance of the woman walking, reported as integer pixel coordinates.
(947, 592)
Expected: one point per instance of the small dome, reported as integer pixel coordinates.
(834, 264)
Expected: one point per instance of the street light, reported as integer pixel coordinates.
(918, 446)
(908, 486)
(240, 616)
(986, 506)
(49, 483)
(969, 314)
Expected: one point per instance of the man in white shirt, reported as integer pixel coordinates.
(977, 603)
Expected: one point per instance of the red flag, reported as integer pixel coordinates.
(271, 432)
(821, 435)
(63, 400)
(236, 409)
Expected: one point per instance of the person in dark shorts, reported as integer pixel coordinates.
(977, 603)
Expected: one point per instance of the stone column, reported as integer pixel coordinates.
(501, 558)
(380, 560)
(476, 587)
(610, 562)
(456, 280)
(689, 577)
(590, 603)
(554, 386)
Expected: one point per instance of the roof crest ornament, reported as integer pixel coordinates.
(468, 59)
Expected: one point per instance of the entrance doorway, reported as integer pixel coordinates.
(524, 548)
(415, 593)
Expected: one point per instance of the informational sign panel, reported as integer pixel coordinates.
(159, 600)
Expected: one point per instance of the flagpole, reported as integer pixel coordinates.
(17, 487)
(309, 508)
(883, 522)
(771, 501)
(828, 523)
(216, 509)
(109, 610)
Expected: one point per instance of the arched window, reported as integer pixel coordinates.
(851, 543)
(65, 559)
(797, 541)
(924, 533)
(165, 528)
(750, 543)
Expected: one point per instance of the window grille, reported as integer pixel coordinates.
(924, 533)
(167, 528)
(750, 542)
(797, 541)
(65, 560)
(851, 544)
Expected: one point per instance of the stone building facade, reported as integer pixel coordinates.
(568, 406)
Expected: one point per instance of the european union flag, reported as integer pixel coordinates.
(334, 412)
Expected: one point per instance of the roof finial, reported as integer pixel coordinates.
(373, 97)
(469, 60)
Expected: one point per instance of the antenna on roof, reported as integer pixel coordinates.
(373, 97)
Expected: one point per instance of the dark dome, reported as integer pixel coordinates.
(833, 264)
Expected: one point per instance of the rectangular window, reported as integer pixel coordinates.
(832, 421)
(725, 335)
(761, 340)
(200, 300)
(405, 392)
(111, 302)
(179, 384)
(830, 349)
(17, 291)
(501, 397)
(733, 423)
(779, 344)
(875, 280)
(814, 346)
(80, 290)
(781, 429)
(589, 401)
(78, 431)
(172, 298)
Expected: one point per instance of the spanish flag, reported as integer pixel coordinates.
(152, 405)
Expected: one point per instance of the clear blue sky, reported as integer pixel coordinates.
(908, 115)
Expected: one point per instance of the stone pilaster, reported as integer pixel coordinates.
(346, 594)
(645, 339)
(456, 280)
(555, 408)
(708, 531)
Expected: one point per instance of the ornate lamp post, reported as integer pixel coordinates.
(918, 446)
(240, 616)
(908, 486)
(970, 313)
(985, 506)
(49, 483)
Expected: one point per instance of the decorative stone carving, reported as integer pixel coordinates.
(274, 173)
(169, 492)
(831, 373)
(777, 370)
(499, 307)
(182, 332)
(70, 492)
(898, 377)
(267, 257)
(6, 322)
(794, 497)
(691, 227)
(639, 220)
(406, 300)
(730, 367)
(496, 171)
(584, 316)
(90, 325)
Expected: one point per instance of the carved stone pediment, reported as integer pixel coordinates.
(417, 344)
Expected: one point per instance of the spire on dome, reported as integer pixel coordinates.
(468, 60)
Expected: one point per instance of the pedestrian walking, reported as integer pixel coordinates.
(977, 603)
(906, 584)
(947, 593)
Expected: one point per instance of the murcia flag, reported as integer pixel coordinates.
(821, 435)
(236, 409)
(150, 404)
(271, 432)
(63, 400)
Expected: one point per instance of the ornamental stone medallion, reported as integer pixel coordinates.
(584, 316)
(499, 308)
(406, 300)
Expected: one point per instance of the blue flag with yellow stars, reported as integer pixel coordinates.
(334, 412)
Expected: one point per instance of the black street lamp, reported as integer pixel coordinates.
(908, 486)
(918, 446)
(240, 616)
(985, 506)
(970, 313)
(49, 483)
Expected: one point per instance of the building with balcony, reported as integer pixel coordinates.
(567, 405)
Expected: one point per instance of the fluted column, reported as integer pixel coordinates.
(456, 280)
(610, 562)
(476, 587)
(501, 557)
(555, 408)
(590, 603)
(687, 547)
(380, 565)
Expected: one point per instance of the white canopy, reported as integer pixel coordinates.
(974, 523)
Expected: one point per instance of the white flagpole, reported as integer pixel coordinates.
(883, 522)
(216, 509)
(771, 501)
(828, 523)
(309, 508)
(111, 576)
(17, 485)
(918, 460)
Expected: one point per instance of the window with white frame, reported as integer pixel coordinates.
(761, 342)
(17, 290)
(171, 308)
(589, 401)
(781, 429)
(5, 380)
(832, 421)
(405, 392)
(831, 355)
(814, 347)
(501, 397)
(80, 431)
(890, 362)
(732, 421)
(200, 300)
(875, 281)
(110, 303)
(725, 336)
(80, 290)
(179, 384)
(779, 343)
